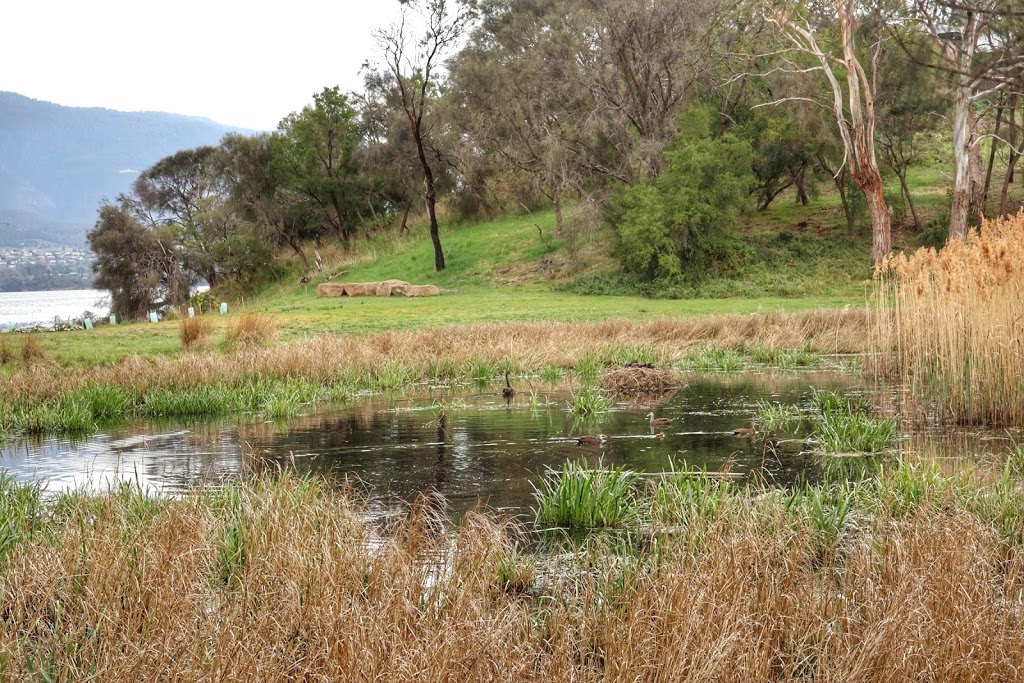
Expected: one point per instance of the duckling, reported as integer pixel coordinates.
(746, 432)
(508, 391)
(592, 440)
(659, 421)
(660, 436)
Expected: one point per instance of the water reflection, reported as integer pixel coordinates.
(472, 449)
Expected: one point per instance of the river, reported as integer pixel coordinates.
(40, 308)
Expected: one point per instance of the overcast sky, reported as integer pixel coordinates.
(239, 63)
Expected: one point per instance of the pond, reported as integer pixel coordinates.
(473, 448)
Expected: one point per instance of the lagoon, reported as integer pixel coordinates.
(40, 308)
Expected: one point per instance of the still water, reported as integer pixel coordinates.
(481, 449)
(40, 308)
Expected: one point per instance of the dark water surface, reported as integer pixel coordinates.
(481, 448)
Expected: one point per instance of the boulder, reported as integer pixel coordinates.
(417, 290)
(328, 289)
(387, 287)
(361, 288)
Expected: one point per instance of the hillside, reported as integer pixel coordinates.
(57, 163)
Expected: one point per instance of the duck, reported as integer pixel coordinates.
(746, 432)
(660, 436)
(659, 421)
(508, 391)
(592, 440)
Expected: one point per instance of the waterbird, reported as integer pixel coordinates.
(508, 391)
(659, 421)
(592, 440)
(746, 432)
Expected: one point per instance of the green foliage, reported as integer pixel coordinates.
(582, 498)
(775, 418)
(587, 403)
(681, 222)
(843, 431)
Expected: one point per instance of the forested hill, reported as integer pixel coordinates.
(57, 163)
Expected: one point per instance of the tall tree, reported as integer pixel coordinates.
(416, 70)
(138, 264)
(315, 149)
(978, 42)
(853, 92)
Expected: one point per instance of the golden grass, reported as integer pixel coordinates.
(284, 581)
(195, 332)
(32, 351)
(522, 347)
(951, 324)
(252, 329)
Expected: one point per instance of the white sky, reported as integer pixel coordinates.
(239, 63)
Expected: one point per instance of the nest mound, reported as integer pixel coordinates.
(638, 380)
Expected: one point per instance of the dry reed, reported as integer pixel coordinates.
(6, 353)
(195, 332)
(284, 581)
(32, 351)
(522, 347)
(950, 325)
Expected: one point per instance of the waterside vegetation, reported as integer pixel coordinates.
(914, 574)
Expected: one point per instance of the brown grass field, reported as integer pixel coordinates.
(523, 347)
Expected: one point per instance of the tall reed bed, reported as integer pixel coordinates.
(283, 580)
(951, 323)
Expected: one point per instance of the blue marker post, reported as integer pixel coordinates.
(223, 307)
(191, 312)
(88, 323)
(153, 317)
(113, 319)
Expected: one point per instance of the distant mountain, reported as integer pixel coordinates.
(57, 163)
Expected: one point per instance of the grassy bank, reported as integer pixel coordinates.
(41, 396)
(914, 575)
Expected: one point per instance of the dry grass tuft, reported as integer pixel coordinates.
(195, 332)
(32, 348)
(950, 325)
(252, 329)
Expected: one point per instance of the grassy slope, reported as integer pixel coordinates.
(801, 257)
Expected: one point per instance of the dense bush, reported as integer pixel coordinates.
(680, 224)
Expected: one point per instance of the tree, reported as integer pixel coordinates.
(139, 265)
(416, 76)
(314, 152)
(180, 192)
(679, 222)
(910, 104)
(978, 42)
(852, 103)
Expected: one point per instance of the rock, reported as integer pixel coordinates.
(361, 288)
(328, 289)
(387, 287)
(417, 290)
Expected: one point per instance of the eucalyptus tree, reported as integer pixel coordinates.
(979, 43)
(414, 59)
(183, 193)
(850, 89)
